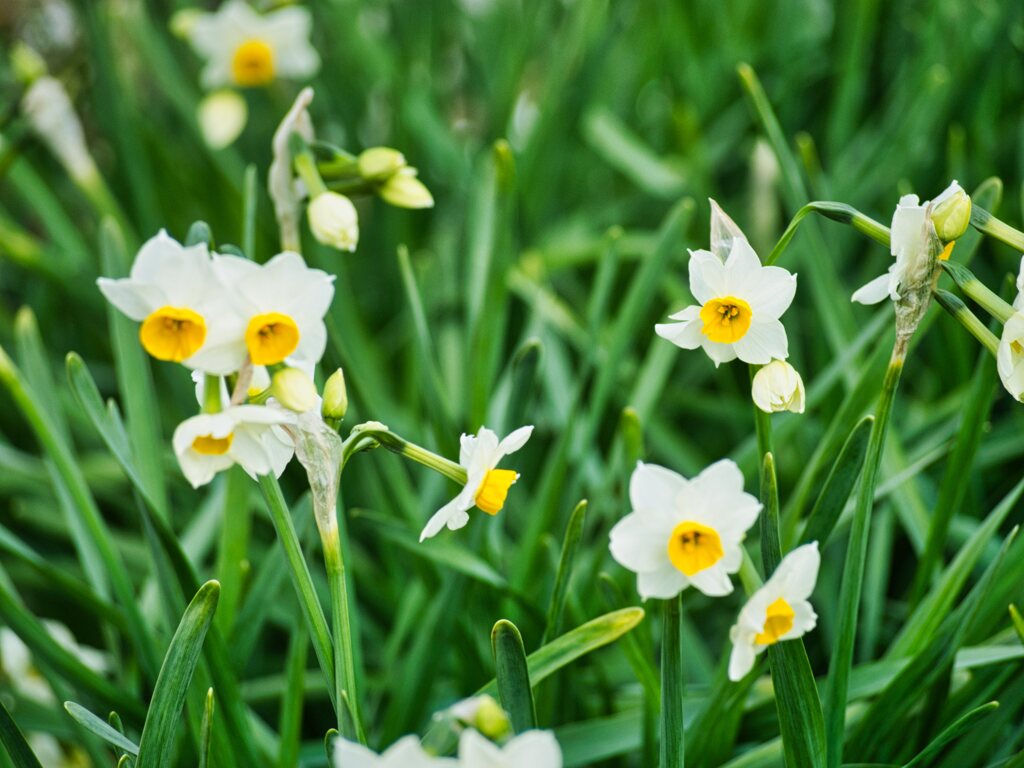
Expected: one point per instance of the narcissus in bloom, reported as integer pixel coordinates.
(530, 749)
(741, 301)
(684, 532)
(404, 753)
(778, 611)
(486, 485)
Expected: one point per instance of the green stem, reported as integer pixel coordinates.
(345, 666)
(840, 212)
(968, 320)
(672, 746)
(372, 434)
(976, 290)
(985, 222)
(762, 423)
(305, 166)
(853, 570)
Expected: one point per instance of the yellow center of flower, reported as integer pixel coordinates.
(208, 445)
(173, 333)
(947, 251)
(253, 63)
(491, 495)
(726, 319)
(692, 547)
(778, 621)
(271, 337)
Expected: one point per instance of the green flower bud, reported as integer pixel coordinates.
(379, 163)
(404, 190)
(951, 213)
(335, 403)
(485, 715)
(294, 389)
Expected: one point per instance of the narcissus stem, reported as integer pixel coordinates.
(672, 745)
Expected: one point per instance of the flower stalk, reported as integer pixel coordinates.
(978, 292)
(968, 320)
(986, 223)
(672, 737)
(372, 434)
(844, 214)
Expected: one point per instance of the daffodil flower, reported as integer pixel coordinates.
(741, 301)
(778, 387)
(1010, 356)
(282, 305)
(246, 49)
(909, 239)
(684, 532)
(486, 486)
(404, 753)
(247, 435)
(173, 291)
(778, 611)
(530, 749)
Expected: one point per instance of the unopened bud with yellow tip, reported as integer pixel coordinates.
(335, 401)
(951, 212)
(404, 190)
(379, 163)
(294, 389)
(485, 715)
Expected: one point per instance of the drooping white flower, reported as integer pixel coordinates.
(909, 239)
(222, 116)
(741, 301)
(247, 49)
(684, 532)
(247, 435)
(49, 111)
(282, 186)
(486, 486)
(404, 753)
(333, 221)
(281, 305)
(530, 749)
(776, 612)
(173, 291)
(778, 387)
(1010, 356)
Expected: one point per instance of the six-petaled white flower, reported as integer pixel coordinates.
(741, 301)
(486, 486)
(684, 532)
(530, 749)
(776, 612)
(404, 753)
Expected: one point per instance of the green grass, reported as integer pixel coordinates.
(570, 148)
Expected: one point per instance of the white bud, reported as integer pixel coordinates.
(294, 389)
(335, 403)
(778, 387)
(404, 190)
(334, 221)
(222, 116)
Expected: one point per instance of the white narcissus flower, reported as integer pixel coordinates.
(173, 291)
(741, 301)
(334, 221)
(684, 532)
(778, 611)
(530, 749)
(247, 435)
(486, 486)
(909, 239)
(222, 116)
(247, 49)
(778, 387)
(404, 753)
(282, 306)
(1010, 356)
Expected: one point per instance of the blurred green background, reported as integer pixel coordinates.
(556, 138)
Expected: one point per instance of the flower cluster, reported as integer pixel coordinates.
(536, 749)
(259, 328)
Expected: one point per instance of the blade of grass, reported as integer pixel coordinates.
(513, 677)
(570, 545)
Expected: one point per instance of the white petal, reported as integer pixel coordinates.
(717, 351)
(663, 583)
(477, 752)
(348, 754)
(136, 300)
(707, 276)
(686, 334)
(533, 749)
(453, 514)
(654, 493)
(872, 293)
(514, 441)
(766, 339)
(1010, 363)
(743, 655)
(723, 232)
(804, 620)
(637, 545)
(713, 581)
(769, 291)
(798, 572)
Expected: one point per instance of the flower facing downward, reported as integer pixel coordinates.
(173, 292)
(741, 301)
(404, 753)
(486, 486)
(778, 611)
(246, 49)
(247, 435)
(334, 221)
(684, 532)
(530, 749)
(778, 387)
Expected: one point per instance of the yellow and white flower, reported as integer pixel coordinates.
(530, 749)
(333, 221)
(486, 486)
(684, 532)
(281, 307)
(778, 387)
(778, 611)
(247, 435)
(1010, 356)
(173, 291)
(247, 49)
(909, 238)
(741, 301)
(404, 753)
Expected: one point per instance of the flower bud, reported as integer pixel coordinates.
(404, 190)
(294, 389)
(951, 213)
(335, 403)
(778, 387)
(379, 163)
(334, 221)
(222, 116)
(485, 715)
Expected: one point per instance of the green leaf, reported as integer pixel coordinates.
(524, 378)
(672, 730)
(796, 694)
(157, 742)
(622, 149)
(100, 727)
(206, 731)
(954, 731)
(513, 677)
(570, 545)
(14, 741)
(838, 485)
